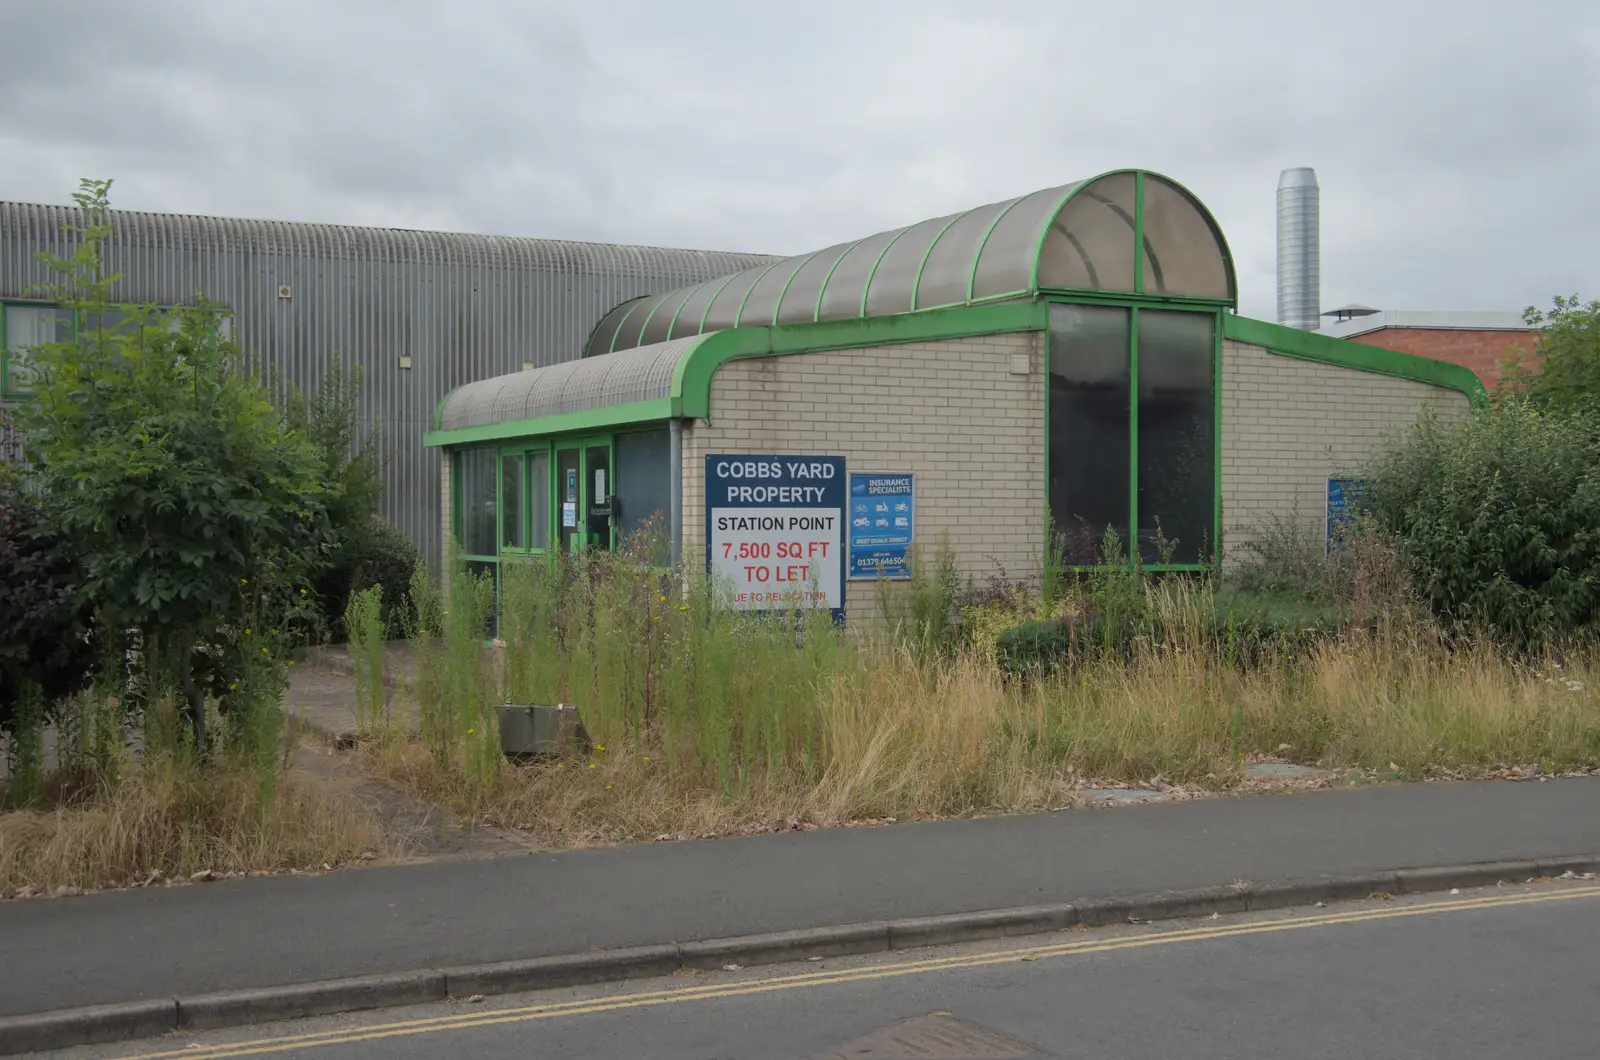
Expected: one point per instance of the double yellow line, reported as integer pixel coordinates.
(678, 995)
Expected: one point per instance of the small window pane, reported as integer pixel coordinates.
(28, 326)
(1182, 253)
(725, 307)
(598, 460)
(948, 270)
(1090, 244)
(842, 297)
(800, 301)
(606, 330)
(567, 492)
(538, 500)
(1089, 403)
(644, 483)
(688, 322)
(897, 272)
(628, 331)
(656, 330)
(1007, 257)
(513, 502)
(1177, 469)
(763, 300)
(476, 470)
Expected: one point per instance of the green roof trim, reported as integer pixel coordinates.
(1310, 346)
(690, 395)
(561, 423)
(691, 383)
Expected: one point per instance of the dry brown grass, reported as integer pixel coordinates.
(898, 738)
(183, 820)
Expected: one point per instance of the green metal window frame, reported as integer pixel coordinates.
(1134, 305)
(525, 448)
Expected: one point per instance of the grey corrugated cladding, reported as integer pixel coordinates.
(463, 307)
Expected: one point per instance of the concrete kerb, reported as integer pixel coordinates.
(97, 1024)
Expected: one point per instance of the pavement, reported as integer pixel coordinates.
(1502, 971)
(122, 946)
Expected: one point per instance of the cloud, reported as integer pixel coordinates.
(1455, 142)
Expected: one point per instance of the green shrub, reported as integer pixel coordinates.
(1498, 517)
(1240, 628)
(373, 552)
(43, 624)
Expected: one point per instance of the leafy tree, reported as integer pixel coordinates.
(1498, 517)
(1565, 370)
(194, 509)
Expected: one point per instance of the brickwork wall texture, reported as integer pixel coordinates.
(951, 412)
(1478, 350)
(1288, 425)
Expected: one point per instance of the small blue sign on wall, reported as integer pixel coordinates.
(883, 521)
(1344, 502)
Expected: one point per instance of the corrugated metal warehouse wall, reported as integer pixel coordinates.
(462, 307)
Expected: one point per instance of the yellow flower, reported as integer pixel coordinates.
(591, 765)
(244, 581)
(233, 686)
(608, 787)
(291, 662)
(471, 731)
(561, 765)
(647, 758)
(265, 652)
(683, 607)
(599, 747)
(302, 592)
(662, 598)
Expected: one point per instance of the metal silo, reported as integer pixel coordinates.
(1299, 251)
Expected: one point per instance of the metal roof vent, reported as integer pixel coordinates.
(1299, 249)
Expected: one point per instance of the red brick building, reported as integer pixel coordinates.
(1473, 340)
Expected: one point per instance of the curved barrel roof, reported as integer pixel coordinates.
(1082, 236)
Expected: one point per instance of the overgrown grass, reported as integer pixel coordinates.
(175, 820)
(119, 793)
(705, 721)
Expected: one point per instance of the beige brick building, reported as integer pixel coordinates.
(1049, 390)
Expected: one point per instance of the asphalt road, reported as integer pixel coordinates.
(129, 945)
(1499, 972)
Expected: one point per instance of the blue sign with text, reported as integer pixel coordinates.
(775, 530)
(1344, 501)
(883, 519)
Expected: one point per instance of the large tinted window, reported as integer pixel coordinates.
(644, 481)
(1089, 395)
(476, 493)
(1177, 444)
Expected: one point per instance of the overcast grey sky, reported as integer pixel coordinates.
(1458, 144)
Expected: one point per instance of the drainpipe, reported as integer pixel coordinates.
(675, 459)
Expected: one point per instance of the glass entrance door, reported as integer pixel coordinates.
(599, 494)
(585, 494)
(569, 500)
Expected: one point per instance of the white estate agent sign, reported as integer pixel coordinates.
(775, 530)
